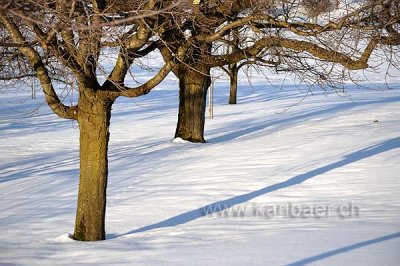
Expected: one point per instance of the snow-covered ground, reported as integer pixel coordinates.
(282, 181)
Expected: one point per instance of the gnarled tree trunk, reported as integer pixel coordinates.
(193, 86)
(94, 122)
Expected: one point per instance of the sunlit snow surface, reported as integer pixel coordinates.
(274, 150)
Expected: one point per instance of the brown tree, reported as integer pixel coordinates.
(54, 39)
(232, 70)
(278, 35)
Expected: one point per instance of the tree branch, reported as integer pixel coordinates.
(152, 83)
(41, 71)
(149, 85)
(294, 45)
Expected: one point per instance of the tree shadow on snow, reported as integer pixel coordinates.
(344, 249)
(249, 127)
(50, 164)
(228, 203)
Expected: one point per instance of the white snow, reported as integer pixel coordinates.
(273, 151)
(181, 141)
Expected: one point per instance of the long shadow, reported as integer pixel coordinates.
(344, 249)
(296, 118)
(225, 204)
(33, 166)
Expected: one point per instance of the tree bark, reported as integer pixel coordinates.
(193, 86)
(94, 121)
(233, 76)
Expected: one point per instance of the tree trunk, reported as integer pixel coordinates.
(233, 85)
(94, 121)
(193, 86)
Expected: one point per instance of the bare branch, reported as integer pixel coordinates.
(41, 71)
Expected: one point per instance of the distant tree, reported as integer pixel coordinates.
(232, 70)
(58, 41)
(313, 8)
(280, 34)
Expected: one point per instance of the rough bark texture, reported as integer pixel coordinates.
(94, 121)
(193, 86)
(233, 76)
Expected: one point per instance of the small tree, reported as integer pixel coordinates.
(232, 70)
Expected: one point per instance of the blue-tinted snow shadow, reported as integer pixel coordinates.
(225, 204)
(43, 165)
(344, 249)
(149, 106)
(250, 127)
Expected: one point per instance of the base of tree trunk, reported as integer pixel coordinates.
(193, 88)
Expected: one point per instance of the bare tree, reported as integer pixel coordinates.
(280, 36)
(235, 40)
(52, 40)
(232, 70)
